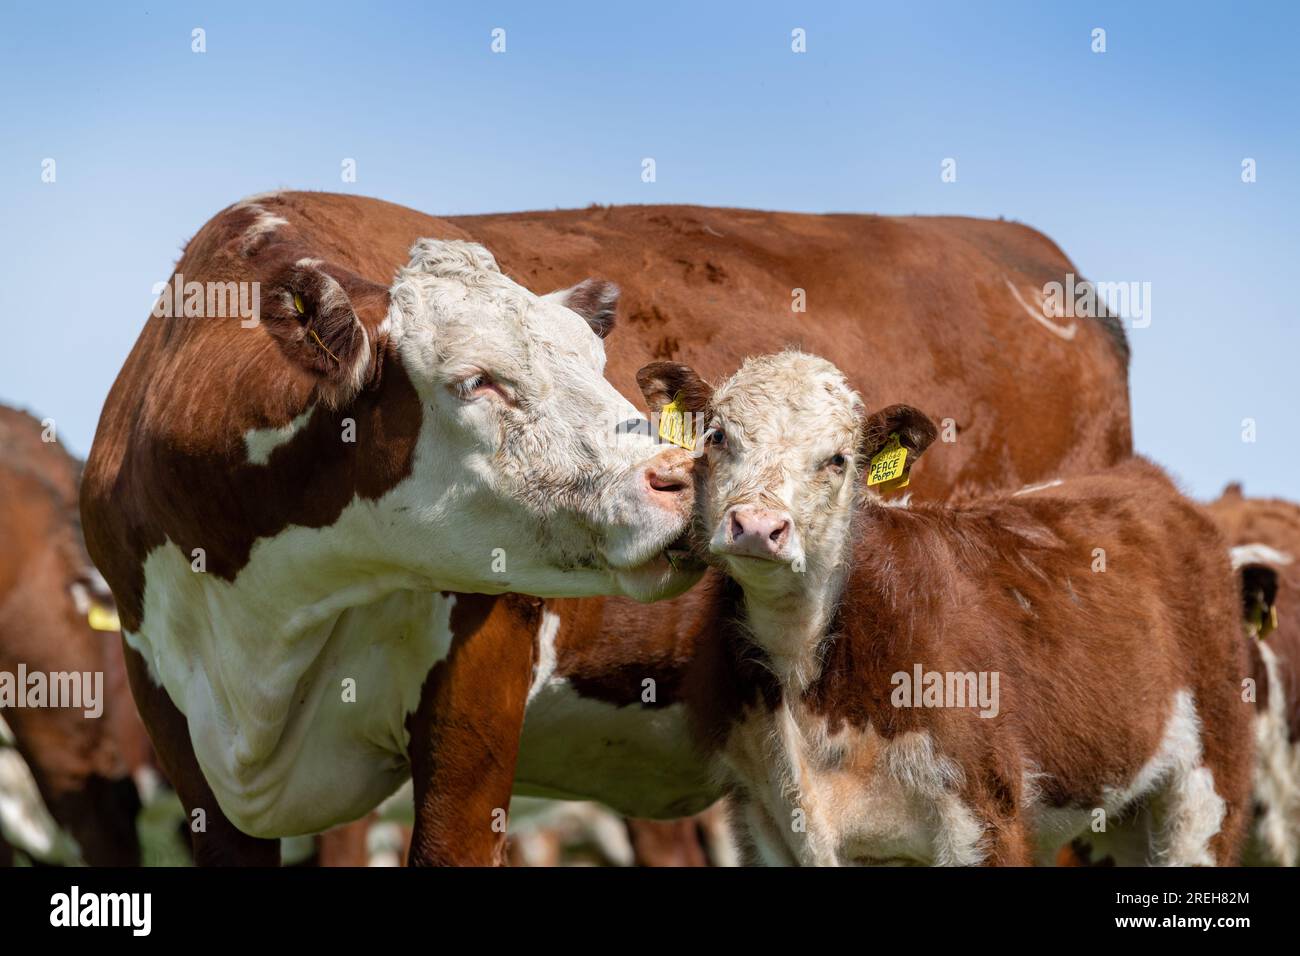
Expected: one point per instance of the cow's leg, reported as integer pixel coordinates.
(465, 732)
(667, 842)
(219, 843)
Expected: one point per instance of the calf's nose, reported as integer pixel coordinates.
(758, 531)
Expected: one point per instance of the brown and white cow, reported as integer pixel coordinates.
(205, 443)
(79, 757)
(954, 684)
(280, 500)
(1265, 538)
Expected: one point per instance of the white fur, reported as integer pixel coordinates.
(24, 820)
(1166, 815)
(1276, 834)
(1038, 315)
(1245, 554)
(1040, 486)
(259, 443)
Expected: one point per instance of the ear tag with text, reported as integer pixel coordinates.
(887, 466)
(675, 424)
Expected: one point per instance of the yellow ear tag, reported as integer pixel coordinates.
(297, 303)
(675, 424)
(1269, 625)
(103, 619)
(887, 466)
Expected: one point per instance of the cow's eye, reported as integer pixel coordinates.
(473, 386)
(715, 438)
(836, 463)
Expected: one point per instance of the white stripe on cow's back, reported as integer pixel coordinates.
(1040, 316)
(1040, 486)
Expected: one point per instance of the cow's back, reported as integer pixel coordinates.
(941, 312)
(933, 311)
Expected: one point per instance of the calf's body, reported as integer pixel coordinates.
(969, 684)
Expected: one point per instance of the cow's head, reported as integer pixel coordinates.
(530, 472)
(785, 446)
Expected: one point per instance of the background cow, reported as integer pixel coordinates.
(48, 590)
(1265, 538)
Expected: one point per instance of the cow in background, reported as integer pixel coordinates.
(57, 616)
(1265, 538)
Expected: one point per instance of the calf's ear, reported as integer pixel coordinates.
(662, 382)
(596, 300)
(914, 429)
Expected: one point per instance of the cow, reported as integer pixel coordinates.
(953, 684)
(57, 618)
(279, 500)
(205, 433)
(1265, 538)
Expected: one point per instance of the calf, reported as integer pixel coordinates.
(953, 684)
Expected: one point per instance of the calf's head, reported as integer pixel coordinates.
(784, 448)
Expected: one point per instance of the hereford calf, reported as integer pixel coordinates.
(954, 685)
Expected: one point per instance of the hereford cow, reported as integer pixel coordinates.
(1265, 539)
(54, 609)
(219, 448)
(832, 707)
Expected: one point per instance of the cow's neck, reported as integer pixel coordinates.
(789, 617)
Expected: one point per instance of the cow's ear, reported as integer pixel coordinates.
(914, 429)
(663, 382)
(322, 319)
(596, 300)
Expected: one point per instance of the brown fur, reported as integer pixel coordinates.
(81, 765)
(1089, 661)
(917, 305)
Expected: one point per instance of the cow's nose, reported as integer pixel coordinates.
(758, 531)
(669, 480)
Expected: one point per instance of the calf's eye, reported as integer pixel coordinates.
(715, 438)
(836, 462)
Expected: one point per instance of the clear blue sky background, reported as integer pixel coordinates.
(1130, 160)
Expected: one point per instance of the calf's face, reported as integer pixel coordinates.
(785, 442)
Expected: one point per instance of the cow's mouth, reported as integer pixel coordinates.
(672, 570)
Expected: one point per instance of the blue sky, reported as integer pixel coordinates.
(1130, 160)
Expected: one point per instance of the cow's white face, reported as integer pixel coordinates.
(538, 482)
(781, 442)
